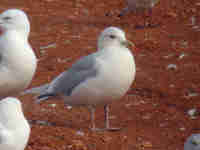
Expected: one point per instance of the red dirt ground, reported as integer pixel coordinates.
(153, 114)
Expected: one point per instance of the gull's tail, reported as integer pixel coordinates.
(36, 90)
(42, 91)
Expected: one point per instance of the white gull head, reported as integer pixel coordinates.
(15, 19)
(112, 37)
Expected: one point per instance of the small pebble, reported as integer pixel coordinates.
(192, 113)
(182, 129)
(52, 105)
(53, 45)
(80, 133)
(172, 66)
(69, 107)
(181, 56)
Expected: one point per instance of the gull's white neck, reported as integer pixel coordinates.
(110, 46)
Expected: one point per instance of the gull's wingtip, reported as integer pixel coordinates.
(43, 97)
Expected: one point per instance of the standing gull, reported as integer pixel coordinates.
(17, 59)
(193, 142)
(98, 78)
(14, 128)
(139, 6)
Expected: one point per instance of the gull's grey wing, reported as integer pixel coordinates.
(64, 84)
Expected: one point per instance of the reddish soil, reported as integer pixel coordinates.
(153, 114)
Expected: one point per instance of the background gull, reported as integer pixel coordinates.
(139, 6)
(17, 59)
(98, 78)
(193, 142)
(14, 128)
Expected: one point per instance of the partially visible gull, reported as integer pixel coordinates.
(193, 142)
(17, 59)
(14, 128)
(139, 7)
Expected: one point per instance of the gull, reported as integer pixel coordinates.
(17, 59)
(14, 128)
(139, 6)
(97, 79)
(193, 142)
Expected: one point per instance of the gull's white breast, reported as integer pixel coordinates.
(17, 63)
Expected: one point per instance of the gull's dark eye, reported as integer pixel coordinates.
(112, 36)
(7, 18)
